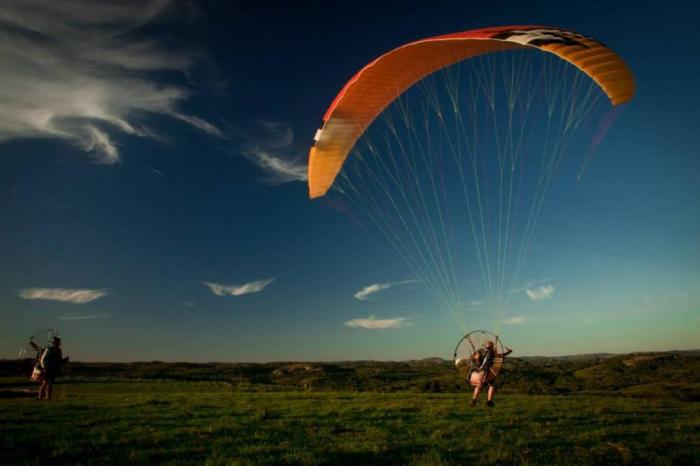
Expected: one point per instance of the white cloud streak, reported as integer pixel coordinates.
(279, 170)
(82, 317)
(540, 293)
(516, 320)
(277, 135)
(239, 289)
(63, 295)
(72, 71)
(372, 323)
(266, 150)
(364, 294)
(155, 170)
(529, 284)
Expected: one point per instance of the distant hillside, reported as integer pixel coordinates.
(570, 358)
(670, 374)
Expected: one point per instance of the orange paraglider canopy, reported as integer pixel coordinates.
(376, 85)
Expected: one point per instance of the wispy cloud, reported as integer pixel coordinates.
(63, 295)
(530, 284)
(155, 170)
(239, 289)
(277, 135)
(515, 320)
(365, 293)
(269, 149)
(279, 170)
(541, 292)
(82, 317)
(373, 323)
(73, 71)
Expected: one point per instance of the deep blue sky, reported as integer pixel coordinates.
(189, 207)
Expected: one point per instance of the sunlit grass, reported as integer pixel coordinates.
(209, 422)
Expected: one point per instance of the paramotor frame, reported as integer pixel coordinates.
(475, 341)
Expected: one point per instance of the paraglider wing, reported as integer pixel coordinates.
(376, 85)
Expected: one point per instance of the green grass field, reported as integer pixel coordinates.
(213, 423)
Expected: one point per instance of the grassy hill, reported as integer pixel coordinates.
(172, 422)
(595, 409)
(652, 375)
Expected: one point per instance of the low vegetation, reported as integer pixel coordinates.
(645, 375)
(632, 409)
